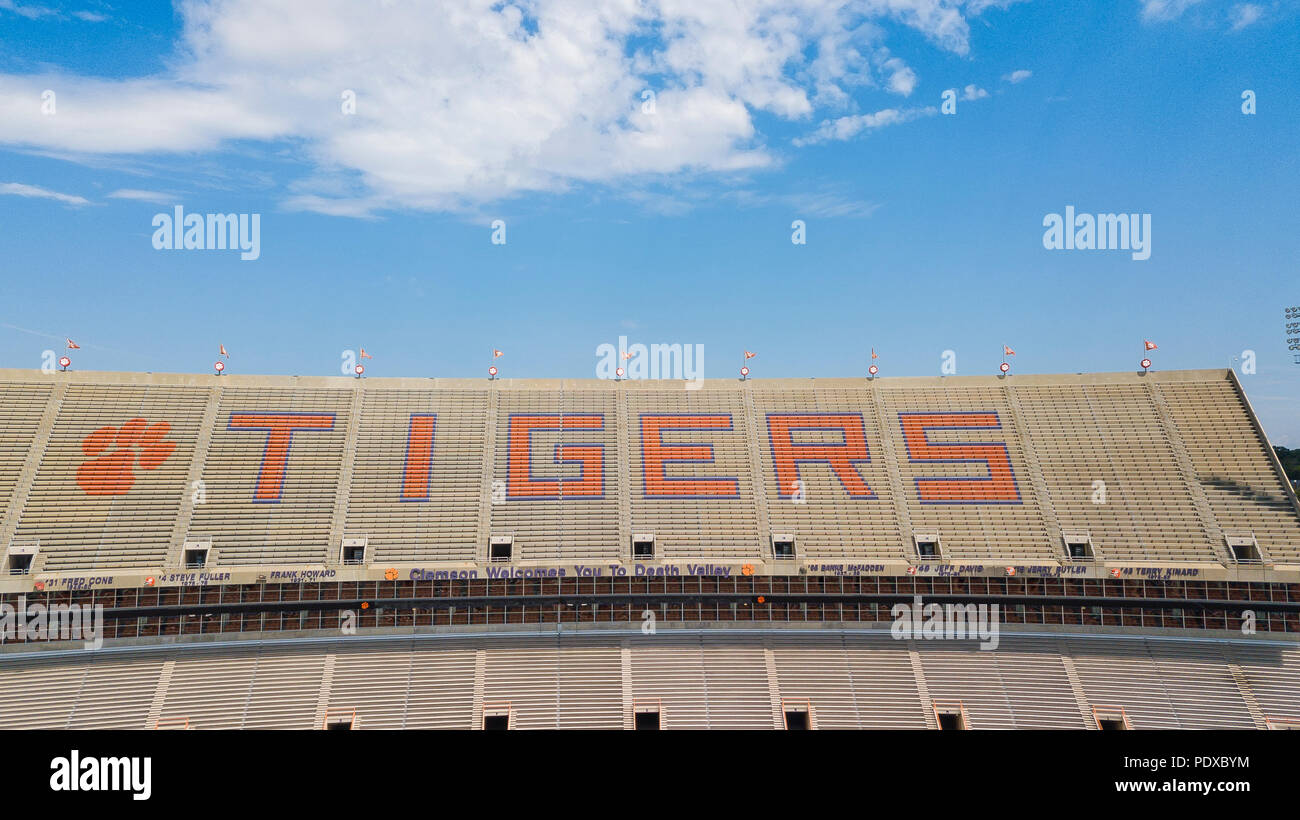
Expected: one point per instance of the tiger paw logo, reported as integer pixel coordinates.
(113, 452)
(390, 574)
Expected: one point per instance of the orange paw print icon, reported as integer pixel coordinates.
(390, 574)
(113, 451)
(747, 569)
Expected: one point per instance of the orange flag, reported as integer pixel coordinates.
(749, 355)
(496, 354)
(223, 350)
(1006, 351)
(873, 353)
(73, 345)
(365, 355)
(1148, 345)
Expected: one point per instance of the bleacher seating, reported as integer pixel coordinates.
(1009, 523)
(1273, 678)
(828, 523)
(1142, 509)
(1232, 466)
(562, 510)
(857, 684)
(21, 408)
(1021, 685)
(94, 692)
(1163, 684)
(435, 518)
(112, 476)
(739, 681)
(109, 472)
(715, 514)
(257, 516)
(1159, 468)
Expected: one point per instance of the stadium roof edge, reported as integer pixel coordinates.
(14, 375)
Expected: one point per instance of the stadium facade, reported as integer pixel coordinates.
(287, 552)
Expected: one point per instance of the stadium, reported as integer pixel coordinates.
(384, 553)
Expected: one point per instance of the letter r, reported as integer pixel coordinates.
(841, 456)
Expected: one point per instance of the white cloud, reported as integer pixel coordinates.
(36, 12)
(30, 12)
(977, 6)
(973, 92)
(1018, 76)
(828, 205)
(845, 128)
(137, 195)
(823, 199)
(901, 78)
(1243, 14)
(469, 101)
(19, 189)
(1162, 10)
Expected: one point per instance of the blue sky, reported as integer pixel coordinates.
(924, 230)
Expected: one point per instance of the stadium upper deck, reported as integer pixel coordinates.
(124, 479)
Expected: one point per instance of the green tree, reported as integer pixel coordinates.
(1290, 462)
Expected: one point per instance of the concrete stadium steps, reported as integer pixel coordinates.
(575, 684)
(296, 527)
(1020, 685)
(436, 518)
(99, 692)
(1012, 529)
(21, 408)
(1233, 466)
(277, 688)
(122, 514)
(829, 523)
(1163, 684)
(393, 687)
(572, 522)
(1113, 434)
(1273, 679)
(849, 680)
(852, 684)
(725, 526)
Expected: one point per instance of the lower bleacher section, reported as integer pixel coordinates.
(694, 679)
(1165, 684)
(1023, 684)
